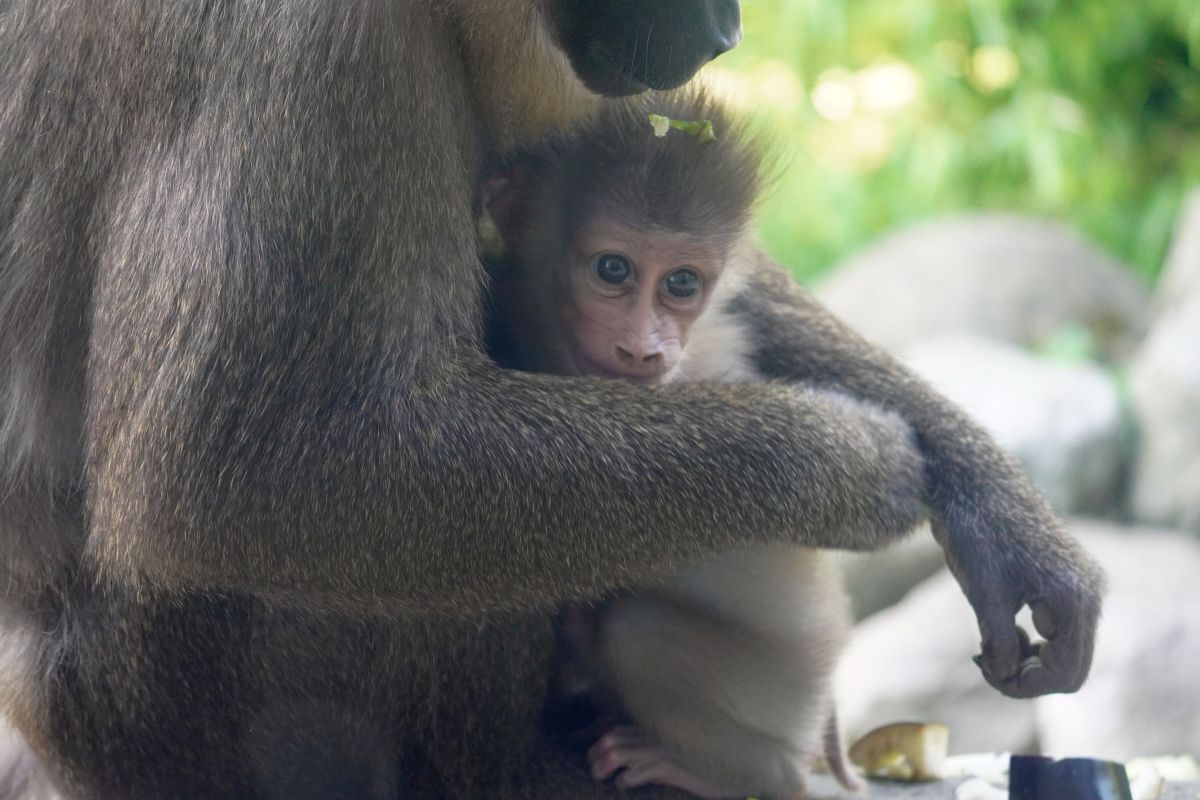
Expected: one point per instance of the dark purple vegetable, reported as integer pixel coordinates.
(1041, 778)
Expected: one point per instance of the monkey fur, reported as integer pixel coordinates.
(272, 525)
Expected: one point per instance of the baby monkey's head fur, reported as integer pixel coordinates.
(683, 182)
(621, 231)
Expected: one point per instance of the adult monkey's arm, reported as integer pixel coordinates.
(283, 390)
(1003, 542)
(285, 396)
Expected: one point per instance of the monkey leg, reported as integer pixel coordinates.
(190, 696)
(226, 697)
(725, 712)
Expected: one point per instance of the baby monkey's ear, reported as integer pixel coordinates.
(505, 201)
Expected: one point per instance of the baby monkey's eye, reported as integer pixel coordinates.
(683, 283)
(612, 268)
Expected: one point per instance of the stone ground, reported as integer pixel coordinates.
(822, 787)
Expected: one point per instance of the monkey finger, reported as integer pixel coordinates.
(1001, 647)
(1038, 679)
(625, 763)
(613, 751)
(1026, 649)
(1049, 667)
(624, 736)
(1066, 660)
(652, 768)
(1069, 625)
(1044, 619)
(1035, 679)
(1029, 681)
(634, 777)
(1039, 671)
(605, 765)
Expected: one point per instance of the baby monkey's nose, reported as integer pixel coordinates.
(639, 358)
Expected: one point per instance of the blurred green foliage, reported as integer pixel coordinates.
(886, 111)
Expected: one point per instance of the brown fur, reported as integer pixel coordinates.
(678, 182)
(272, 526)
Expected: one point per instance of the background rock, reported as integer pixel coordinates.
(1003, 276)
(1143, 694)
(1164, 383)
(881, 579)
(1061, 420)
(1180, 277)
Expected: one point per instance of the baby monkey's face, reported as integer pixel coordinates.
(631, 296)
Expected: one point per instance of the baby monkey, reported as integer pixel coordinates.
(623, 247)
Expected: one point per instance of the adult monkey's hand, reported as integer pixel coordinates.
(1048, 572)
(1003, 542)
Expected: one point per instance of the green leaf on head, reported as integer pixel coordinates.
(702, 129)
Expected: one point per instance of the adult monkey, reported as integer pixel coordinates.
(272, 527)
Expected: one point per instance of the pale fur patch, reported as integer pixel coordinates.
(19, 684)
(720, 347)
(21, 776)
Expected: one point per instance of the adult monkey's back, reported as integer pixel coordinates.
(271, 526)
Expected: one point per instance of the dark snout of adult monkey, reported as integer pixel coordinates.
(623, 47)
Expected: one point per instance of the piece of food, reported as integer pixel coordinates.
(1171, 768)
(1147, 785)
(991, 767)
(904, 751)
(979, 789)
